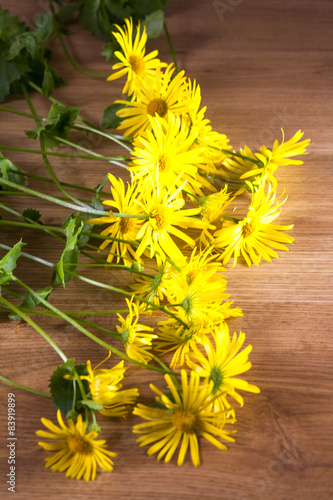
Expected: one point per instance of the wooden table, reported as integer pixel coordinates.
(261, 66)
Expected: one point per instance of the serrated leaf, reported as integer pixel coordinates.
(59, 123)
(92, 405)
(10, 172)
(8, 74)
(98, 16)
(62, 389)
(44, 25)
(23, 55)
(65, 13)
(32, 214)
(69, 259)
(110, 119)
(8, 263)
(30, 301)
(154, 23)
(48, 82)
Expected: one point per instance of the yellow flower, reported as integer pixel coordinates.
(152, 289)
(162, 96)
(164, 210)
(199, 299)
(212, 209)
(104, 385)
(161, 155)
(281, 155)
(183, 417)
(222, 364)
(77, 452)
(174, 337)
(255, 236)
(212, 142)
(124, 228)
(133, 60)
(135, 336)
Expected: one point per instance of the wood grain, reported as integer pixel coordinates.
(266, 65)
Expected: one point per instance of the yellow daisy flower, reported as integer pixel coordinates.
(184, 416)
(133, 60)
(135, 336)
(212, 209)
(281, 155)
(165, 152)
(212, 142)
(124, 228)
(222, 364)
(200, 299)
(105, 389)
(255, 236)
(152, 289)
(164, 210)
(162, 96)
(174, 337)
(78, 453)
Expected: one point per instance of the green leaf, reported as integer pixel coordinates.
(8, 74)
(62, 389)
(154, 23)
(92, 405)
(110, 119)
(32, 214)
(69, 259)
(30, 301)
(23, 55)
(44, 25)
(59, 123)
(98, 16)
(65, 13)
(8, 263)
(109, 49)
(10, 172)
(48, 82)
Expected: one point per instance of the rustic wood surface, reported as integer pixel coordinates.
(261, 66)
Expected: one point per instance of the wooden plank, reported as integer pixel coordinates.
(261, 66)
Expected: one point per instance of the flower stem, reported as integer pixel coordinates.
(20, 113)
(82, 329)
(96, 131)
(62, 155)
(172, 50)
(32, 323)
(24, 387)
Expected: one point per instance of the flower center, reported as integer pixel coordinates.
(137, 64)
(126, 224)
(162, 164)
(78, 445)
(248, 229)
(158, 106)
(159, 214)
(184, 421)
(191, 275)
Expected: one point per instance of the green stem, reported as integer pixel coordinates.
(32, 323)
(20, 113)
(171, 46)
(238, 155)
(24, 387)
(81, 148)
(69, 57)
(29, 256)
(96, 131)
(83, 330)
(128, 294)
(52, 199)
(62, 155)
